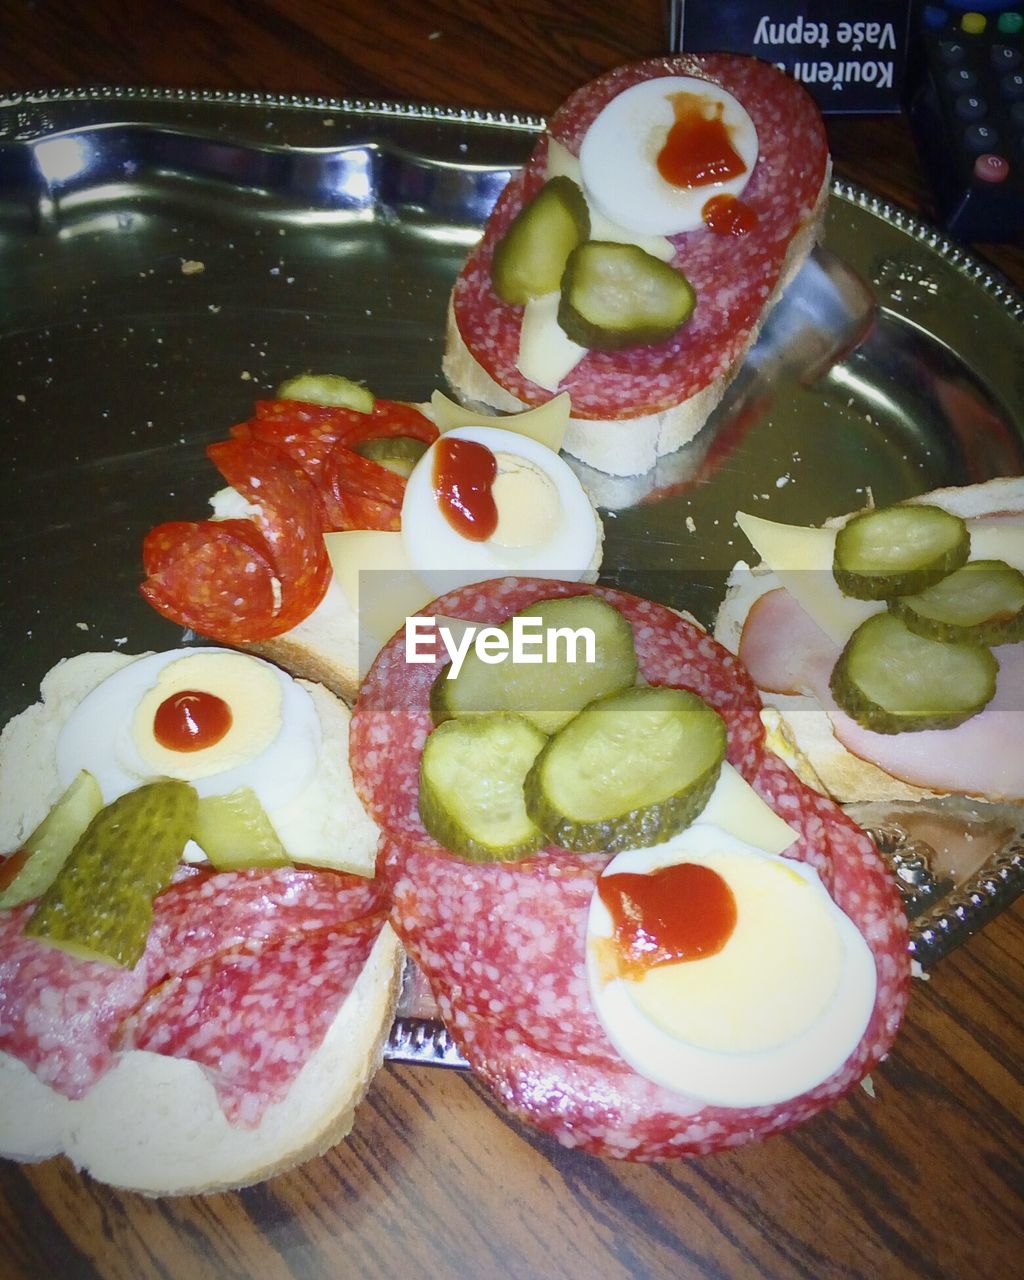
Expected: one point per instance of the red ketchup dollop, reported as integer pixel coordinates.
(682, 912)
(728, 216)
(191, 720)
(464, 472)
(698, 149)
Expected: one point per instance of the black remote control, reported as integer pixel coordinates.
(966, 106)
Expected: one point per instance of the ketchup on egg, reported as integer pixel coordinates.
(464, 473)
(682, 912)
(190, 720)
(698, 149)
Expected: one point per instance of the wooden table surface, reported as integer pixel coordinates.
(923, 1180)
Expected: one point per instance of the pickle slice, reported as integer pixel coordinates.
(398, 453)
(234, 832)
(328, 389)
(616, 296)
(898, 551)
(892, 681)
(548, 692)
(981, 603)
(471, 786)
(530, 258)
(631, 770)
(100, 906)
(49, 845)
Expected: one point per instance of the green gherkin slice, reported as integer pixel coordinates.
(616, 296)
(471, 786)
(100, 906)
(893, 681)
(548, 692)
(981, 603)
(50, 844)
(328, 389)
(530, 258)
(398, 453)
(898, 551)
(234, 831)
(631, 770)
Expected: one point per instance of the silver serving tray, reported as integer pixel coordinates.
(166, 257)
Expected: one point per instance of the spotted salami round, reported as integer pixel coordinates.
(733, 276)
(503, 945)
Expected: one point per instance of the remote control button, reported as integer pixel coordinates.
(934, 17)
(961, 80)
(973, 23)
(970, 107)
(1005, 57)
(952, 52)
(991, 168)
(1012, 86)
(980, 137)
(1010, 23)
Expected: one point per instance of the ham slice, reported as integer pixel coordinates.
(787, 652)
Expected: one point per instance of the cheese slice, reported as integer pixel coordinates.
(546, 352)
(546, 423)
(736, 807)
(802, 561)
(374, 573)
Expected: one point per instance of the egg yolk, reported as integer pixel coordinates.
(464, 473)
(698, 149)
(191, 720)
(681, 912)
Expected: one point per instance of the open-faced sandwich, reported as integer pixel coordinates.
(326, 482)
(892, 641)
(197, 975)
(645, 934)
(634, 259)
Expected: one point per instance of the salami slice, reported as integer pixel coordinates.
(733, 277)
(61, 1016)
(503, 945)
(253, 1016)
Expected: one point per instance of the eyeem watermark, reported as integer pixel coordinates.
(529, 641)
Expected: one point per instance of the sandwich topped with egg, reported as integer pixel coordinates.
(328, 485)
(633, 260)
(197, 976)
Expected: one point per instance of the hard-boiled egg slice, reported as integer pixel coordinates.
(546, 525)
(270, 746)
(619, 154)
(773, 1013)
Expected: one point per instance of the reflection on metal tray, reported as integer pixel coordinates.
(168, 257)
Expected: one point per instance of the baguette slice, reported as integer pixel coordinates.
(153, 1123)
(846, 777)
(631, 441)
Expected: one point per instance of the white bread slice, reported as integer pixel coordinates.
(846, 777)
(631, 446)
(152, 1123)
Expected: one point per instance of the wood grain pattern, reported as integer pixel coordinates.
(922, 1181)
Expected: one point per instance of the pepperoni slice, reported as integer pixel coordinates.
(288, 516)
(215, 576)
